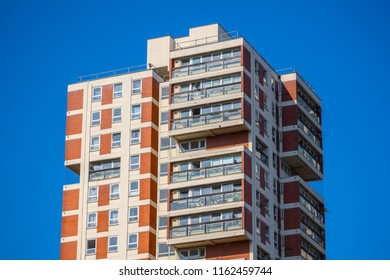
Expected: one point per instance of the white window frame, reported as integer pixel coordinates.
(95, 147)
(95, 122)
(134, 141)
(135, 166)
(95, 197)
(161, 118)
(172, 144)
(117, 94)
(132, 245)
(113, 221)
(133, 218)
(114, 195)
(200, 147)
(117, 118)
(92, 224)
(134, 192)
(117, 143)
(91, 250)
(136, 90)
(136, 116)
(164, 96)
(96, 97)
(112, 247)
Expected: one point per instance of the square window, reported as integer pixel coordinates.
(134, 162)
(134, 188)
(114, 191)
(96, 94)
(92, 220)
(113, 244)
(91, 247)
(95, 118)
(164, 117)
(95, 143)
(164, 93)
(114, 217)
(116, 115)
(135, 112)
(137, 87)
(133, 241)
(133, 214)
(135, 136)
(116, 140)
(92, 194)
(117, 90)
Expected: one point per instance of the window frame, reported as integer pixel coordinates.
(92, 224)
(134, 191)
(135, 116)
(133, 218)
(163, 94)
(96, 147)
(136, 90)
(99, 97)
(89, 196)
(116, 144)
(88, 249)
(112, 221)
(133, 244)
(112, 248)
(164, 121)
(97, 121)
(116, 119)
(116, 92)
(135, 141)
(112, 194)
(135, 166)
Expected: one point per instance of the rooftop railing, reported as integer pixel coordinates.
(208, 40)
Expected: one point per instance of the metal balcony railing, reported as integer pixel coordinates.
(310, 110)
(228, 115)
(205, 93)
(310, 158)
(104, 174)
(313, 235)
(308, 132)
(208, 40)
(311, 208)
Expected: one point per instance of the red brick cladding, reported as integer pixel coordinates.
(227, 140)
(292, 218)
(70, 200)
(289, 90)
(246, 58)
(290, 141)
(291, 192)
(292, 245)
(75, 100)
(72, 149)
(290, 115)
(107, 94)
(68, 250)
(228, 250)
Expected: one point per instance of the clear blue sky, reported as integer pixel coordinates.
(341, 47)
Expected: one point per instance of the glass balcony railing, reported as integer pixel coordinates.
(207, 172)
(310, 158)
(306, 106)
(313, 235)
(206, 119)
(311, 208)
(104, 174)
(206, 67)
(205, 228)
(205, 200)
(263, 157)
(308, 132)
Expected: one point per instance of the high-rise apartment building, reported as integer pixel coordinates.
(204, 154)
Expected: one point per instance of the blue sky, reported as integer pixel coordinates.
(340, 47)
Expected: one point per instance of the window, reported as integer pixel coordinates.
(163, 195)
(162, 222)
(258, 198)
(114, 217)
(265, 102)
(265, 125)
(95, 143)
(117, 90)
(164, 169)
(274, 160)
(273, 109)
(264, 76)
(92, 220)
(116, 115)
(134, 162)
(262, 255)
(104, 169)
(257, 169)
(275, 213)
(114, 191)
(266, 206)
(134, 188)
(275, 186)
(274, 135)
(92, 194)
(164, 93)
(167, 143)
(96, 94)
(91, 246)
(116, 140)
(266, 179)
(135, 136)
(95, 118)
(135, 112)
(164, 250)
(276, 237)
(273, 84)
(113, 244)
(267, 234)
(193, 145)
(133, 214)
(137, 87)
(133, 241)
(191, 254)
(164, 117)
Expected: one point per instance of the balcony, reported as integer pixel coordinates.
(310, 158)
(204, 67)
(210, 124)
(206, 93)
(303, 128)
(310, 207)
(104, 170)
(314, 114)
(207, 172)
(314, 235)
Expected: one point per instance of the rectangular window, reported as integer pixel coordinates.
(167, 143)
(135, 136)
(114, 191)
(92, 194)
(114, 217)
(133, 241)
(135, 112)
(276, 237)
(133, 214)
(275, 213)
(116, 140)
(191, 254)
(258, 198)
(265, 102)
(164, 250)
(104, 169)
(96, 94)
(162, 222)
(163, 195)
(134, 188)
(92, 220)
(192, 145)
(274, 160)
(95, 143)
(257, 171)
(164, 169)
(274, 135)
(164, 117)
(134, 162)
(266, 179)
(137, 87)
(91, 247)
(112, 244)
(95, 118)
(275, 186)
(257, 225)
(116, 115)
(164, 93)
(273, 109)
(266, 206)
(267, 234)
(117, 90)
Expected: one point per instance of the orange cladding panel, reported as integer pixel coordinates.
(75, 100)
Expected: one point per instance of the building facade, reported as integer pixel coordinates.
(204, 154)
